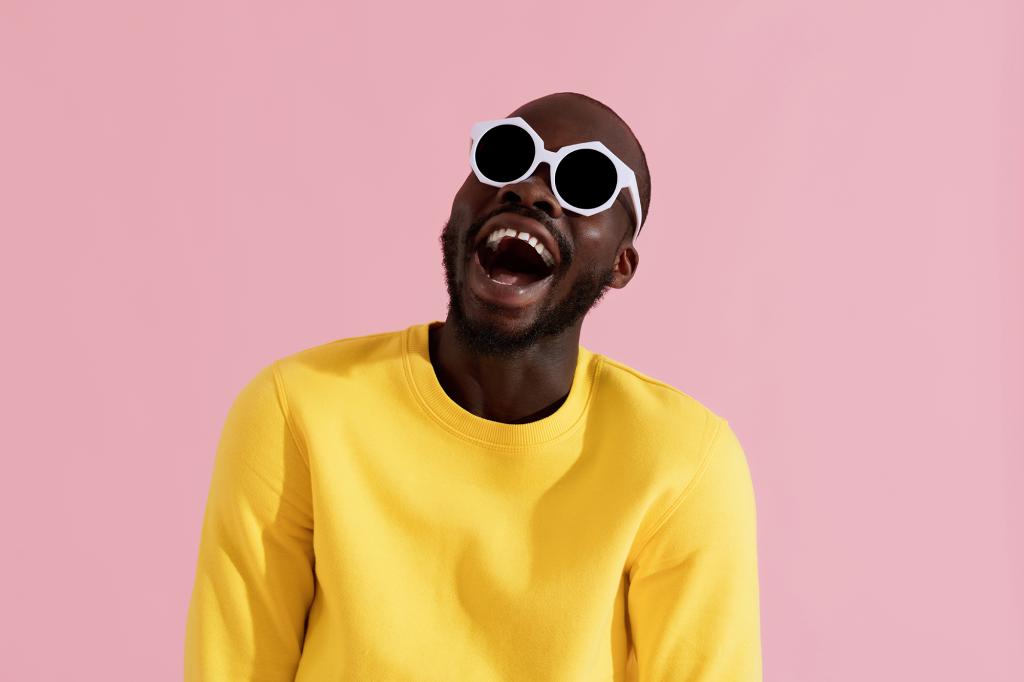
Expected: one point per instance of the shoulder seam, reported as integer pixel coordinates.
(676, 503)
(282, 402)
(644, 377)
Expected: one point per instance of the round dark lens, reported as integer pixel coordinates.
(586, 178)
(504, 153)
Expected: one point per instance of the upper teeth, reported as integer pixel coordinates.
(494, 237)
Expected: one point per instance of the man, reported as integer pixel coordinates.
(484, 498)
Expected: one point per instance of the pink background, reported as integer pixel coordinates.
(833, 262)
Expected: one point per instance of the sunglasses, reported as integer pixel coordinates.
(585, 177)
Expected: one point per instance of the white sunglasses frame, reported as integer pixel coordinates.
(625, 175)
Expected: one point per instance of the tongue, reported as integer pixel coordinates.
(500, 274)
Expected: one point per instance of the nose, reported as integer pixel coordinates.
(533, 191)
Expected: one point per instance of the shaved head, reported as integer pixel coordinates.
(638, 162)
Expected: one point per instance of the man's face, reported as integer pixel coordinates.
(503, 296)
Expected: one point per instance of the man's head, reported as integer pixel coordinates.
(507, 292)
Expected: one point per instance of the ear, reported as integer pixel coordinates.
(626, 262)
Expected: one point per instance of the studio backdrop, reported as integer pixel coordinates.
(832, 260)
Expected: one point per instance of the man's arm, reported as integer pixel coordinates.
(693, 595)
(254, 575)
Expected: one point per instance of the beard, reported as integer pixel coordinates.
(553, 318)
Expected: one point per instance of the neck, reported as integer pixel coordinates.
(510, 389)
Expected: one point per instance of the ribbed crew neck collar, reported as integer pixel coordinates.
(486, 432)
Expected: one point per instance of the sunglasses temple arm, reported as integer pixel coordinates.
(635, 195)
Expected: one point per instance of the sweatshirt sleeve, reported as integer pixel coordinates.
(254, 575)
(693, 596)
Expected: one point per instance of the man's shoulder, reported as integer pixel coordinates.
(664, 436)
(347, 350)
(330, 365)
(650, 400)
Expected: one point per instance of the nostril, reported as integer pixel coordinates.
(511, 197)
(545, 206)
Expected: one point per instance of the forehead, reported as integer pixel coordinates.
(564, 120)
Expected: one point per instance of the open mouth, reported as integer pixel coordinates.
(512, 257)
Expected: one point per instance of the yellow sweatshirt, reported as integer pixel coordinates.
(361, 525)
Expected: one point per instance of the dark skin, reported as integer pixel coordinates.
(533, 383)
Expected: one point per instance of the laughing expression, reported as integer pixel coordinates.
(519, 267)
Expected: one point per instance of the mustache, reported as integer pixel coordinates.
(529, 212)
